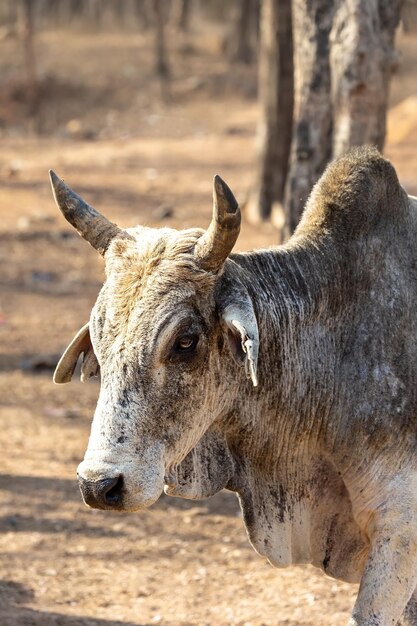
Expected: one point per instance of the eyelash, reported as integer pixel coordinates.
(188, 350)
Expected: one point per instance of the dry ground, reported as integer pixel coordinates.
(102, 127)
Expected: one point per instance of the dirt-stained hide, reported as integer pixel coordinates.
(287, 375)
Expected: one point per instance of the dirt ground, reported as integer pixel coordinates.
(101, 126)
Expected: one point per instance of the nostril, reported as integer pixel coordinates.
(114, 491)
(104, 493)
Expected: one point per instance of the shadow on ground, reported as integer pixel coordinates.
(13, 595)
(55, 490)
(26, 523)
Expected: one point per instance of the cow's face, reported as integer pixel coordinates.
(163, 332)
(156, 337)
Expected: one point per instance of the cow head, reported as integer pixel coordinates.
(171, 320)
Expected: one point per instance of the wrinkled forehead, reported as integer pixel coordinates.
(144, 245)
(150, 276)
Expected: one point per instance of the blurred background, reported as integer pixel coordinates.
(137, 104)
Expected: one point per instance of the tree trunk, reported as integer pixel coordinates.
(311, 144)
(9, 15)
(142, 11)
(409, 16)
(181, 19)
(362, 59)
(161, 59)
(28, 29)
(276, 100)
(343, 64)
(242, 39)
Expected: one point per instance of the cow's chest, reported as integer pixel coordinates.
(307, 521)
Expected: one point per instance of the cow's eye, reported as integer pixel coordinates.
(186, 344)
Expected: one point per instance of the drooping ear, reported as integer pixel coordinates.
(238, 317)
(81, 344)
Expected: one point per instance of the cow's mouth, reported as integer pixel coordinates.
(121, 483)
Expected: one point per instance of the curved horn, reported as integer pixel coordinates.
(89, 223)
(217, 242)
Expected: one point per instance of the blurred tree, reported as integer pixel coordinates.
(409, 16)
(343, 60)
(276, 99)
(28, 35)
(242, 37)
(8, 14)
(362, 61)
(161, 59)
(77, 7)
(312, 126)
(142, 11)
(181, 15)
(242, 45)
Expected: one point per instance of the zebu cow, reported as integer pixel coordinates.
(316, 433)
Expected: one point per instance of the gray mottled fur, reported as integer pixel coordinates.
(322, 453)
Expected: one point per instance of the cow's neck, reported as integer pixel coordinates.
(280, 442)
(300, 317)
(265, 445)
(296, 282)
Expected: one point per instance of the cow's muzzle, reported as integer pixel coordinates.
(106, 493)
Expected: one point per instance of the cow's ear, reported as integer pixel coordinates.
(81, 344)
(238, 317)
